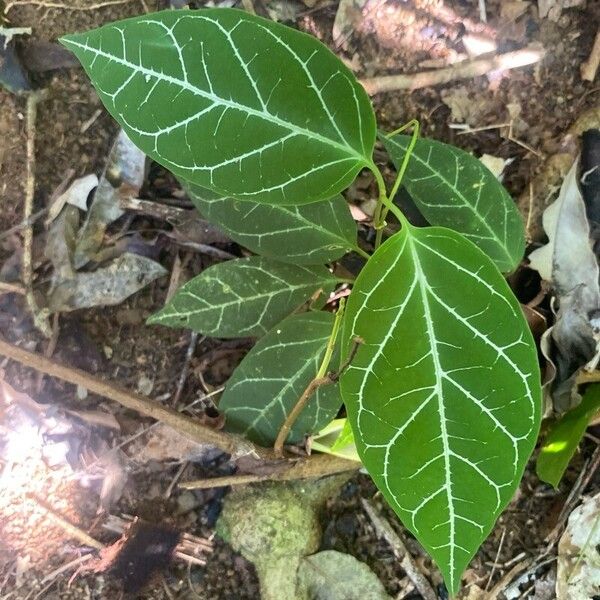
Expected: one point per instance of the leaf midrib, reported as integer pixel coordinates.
(224, 305)
(217, 100)
(420, 276)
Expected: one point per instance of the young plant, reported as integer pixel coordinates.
(266, 127)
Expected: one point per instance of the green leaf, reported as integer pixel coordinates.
(269, 381)
(336, 438)
(443, 395)
(455, 190)
(311, 234)
(243, 297)
(564, 436)
(234, 102)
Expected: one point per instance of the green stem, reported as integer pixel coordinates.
(413, 141)
(385, 202)
(362, 253)
(332, 340)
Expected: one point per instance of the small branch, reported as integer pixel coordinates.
(11, 288)
(384, 530)
(464, 70)
(313, 467)
(155, 210)
(292, 417)
(40, 317)
(589, 68)
(236, 446)
(195, 431)
(71, 529)
(312, 387)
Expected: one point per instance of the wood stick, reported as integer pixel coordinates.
(589, 68)
(290, 468)
(40, 317)
(234, 445)
(384, 530)
(463, 70)
(71, 529)
(313, 467)
(11, 288)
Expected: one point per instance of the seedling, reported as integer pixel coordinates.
(266, 127)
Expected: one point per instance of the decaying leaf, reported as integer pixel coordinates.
(123, 176)
(105, 286)
(578, 575)
(12, 74)
(332, 575)
(569, 263)
(76, 195)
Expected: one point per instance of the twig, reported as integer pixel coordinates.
(74, 563)
(26, 223)
(11, 288)
(44, 4)
(71, 529)
(384, 529)
(192, 429)
(466, 69)
(155, 210)
(487, 585)
(188, 549)
(313, 467)
(589, 68)
(312, 387)
(482, 11)
(40, 318)
(186, 367)
(507, 579)
(292, 417)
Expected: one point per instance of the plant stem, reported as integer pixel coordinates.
(385, 202)
(332, 340)
(361, 252)
(415, 136)
(321, 378)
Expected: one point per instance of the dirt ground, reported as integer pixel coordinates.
(73, 137)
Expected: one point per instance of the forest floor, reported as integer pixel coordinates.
(520, 115)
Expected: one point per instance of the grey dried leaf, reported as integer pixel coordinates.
(107, 286)
(123, 176)
(569, 263)
(76, 195)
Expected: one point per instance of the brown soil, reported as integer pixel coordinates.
(74, 133)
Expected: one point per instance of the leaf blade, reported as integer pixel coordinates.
(271, 378)
(308, 234)
(242, 297)
(423, 379)
(564, 436)
(453, 189)
(257, 110)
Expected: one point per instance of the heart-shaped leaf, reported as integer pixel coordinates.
(243, 297)
(455, 190)
(230, 101)
(269, 381)
(310, 234)
(444, 394)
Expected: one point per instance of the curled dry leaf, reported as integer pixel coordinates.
(76, 195)
(123, 176)
(569, 263)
